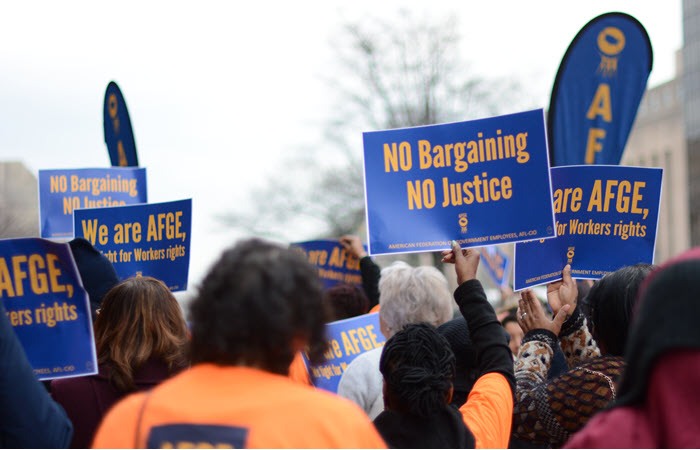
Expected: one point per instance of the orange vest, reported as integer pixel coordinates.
(211, 406)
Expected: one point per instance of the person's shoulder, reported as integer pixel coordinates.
(369, 358)
(620, 427)
(62, 387)
(326, 404)
(363, 366)
(129, 403)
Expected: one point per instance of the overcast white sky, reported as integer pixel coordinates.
(218, 92)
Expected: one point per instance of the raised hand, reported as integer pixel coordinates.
(563, 292)
(466, 262)
(353, 246)
(531, 315)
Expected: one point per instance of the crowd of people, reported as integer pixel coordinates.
(615, 364)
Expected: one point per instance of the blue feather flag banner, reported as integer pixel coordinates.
(597, 91)
(119, 135)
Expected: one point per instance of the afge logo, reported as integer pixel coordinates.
(463, 221)
(197, 436)
(611, 42)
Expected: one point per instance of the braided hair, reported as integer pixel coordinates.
(418, 367)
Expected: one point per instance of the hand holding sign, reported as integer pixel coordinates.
(466, 262)
(353, 245)
(563, 292)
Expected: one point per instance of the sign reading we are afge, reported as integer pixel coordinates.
(606, 218)
(334, 264)
(150, 239)
(479, 183)
(347, 339)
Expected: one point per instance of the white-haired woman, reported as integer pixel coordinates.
(407, 295)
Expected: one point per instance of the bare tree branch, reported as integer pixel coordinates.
(403, 73)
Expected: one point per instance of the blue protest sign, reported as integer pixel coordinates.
(606, 218)
(149, 239)
(480, 182)
(46, 304)
(347, 339)
(119, 135)
(334, 264)
(63, 190)
(597, 91)
(497, 264)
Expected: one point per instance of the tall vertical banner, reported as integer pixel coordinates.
(48, 307)
(119, 136)
(597, 91)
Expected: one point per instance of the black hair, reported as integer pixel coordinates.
(418, 367)
(456, 331)
(611, 301)
(346, 300)
(254, 301)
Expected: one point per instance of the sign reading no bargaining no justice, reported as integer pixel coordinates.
(150, 239)
(606, 218)
(480, 182)
(47, 306)
(63, 190)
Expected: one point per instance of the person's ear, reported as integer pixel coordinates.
(384, 327)
(450, 393)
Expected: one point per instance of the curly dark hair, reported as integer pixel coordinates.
(253, 303)
(346, 300)
(418, 366)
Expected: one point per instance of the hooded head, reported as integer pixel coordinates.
(665, 319)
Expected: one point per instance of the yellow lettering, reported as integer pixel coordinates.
(5, 280)
(637, 197)
(127, 232)
(364, 339)
(54, 273)
(596, 199)
(424, 158)
(568, 198)
(337, 257)
(19, 273)
(595, 135)
(39, 282)
(348, 345)
(397, 156)
(601, 106)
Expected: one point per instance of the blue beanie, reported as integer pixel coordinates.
(96, 271)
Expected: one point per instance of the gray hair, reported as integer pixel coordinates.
(412, 295)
